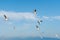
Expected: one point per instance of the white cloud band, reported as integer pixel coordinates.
(18, 15)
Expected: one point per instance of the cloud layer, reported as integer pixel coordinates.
(18, 15)
(51, 18)
(22, 29)
(25, 27)
(26, 15)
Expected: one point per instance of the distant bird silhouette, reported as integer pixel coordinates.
(37, 28)
(6, 18)
(39, 21)
(35, 12)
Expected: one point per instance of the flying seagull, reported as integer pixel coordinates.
(35, 12)
(39, 21)
(6, 18)
(37, 27)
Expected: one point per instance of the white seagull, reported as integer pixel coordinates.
(6, 18)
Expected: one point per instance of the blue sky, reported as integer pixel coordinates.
(20, 14)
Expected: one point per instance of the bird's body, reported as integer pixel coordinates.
(37, 27)
(6, 18)
(35, 12)
(39, 21)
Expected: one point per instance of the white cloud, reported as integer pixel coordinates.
(51, 18)
(26, 15)
(45, 17)
(18, 15)
(56, 17)
(27, 27)
(21, 31)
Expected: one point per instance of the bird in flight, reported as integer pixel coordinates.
(39, 21)
(35, 12)
(6, 18)
(37, 28)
